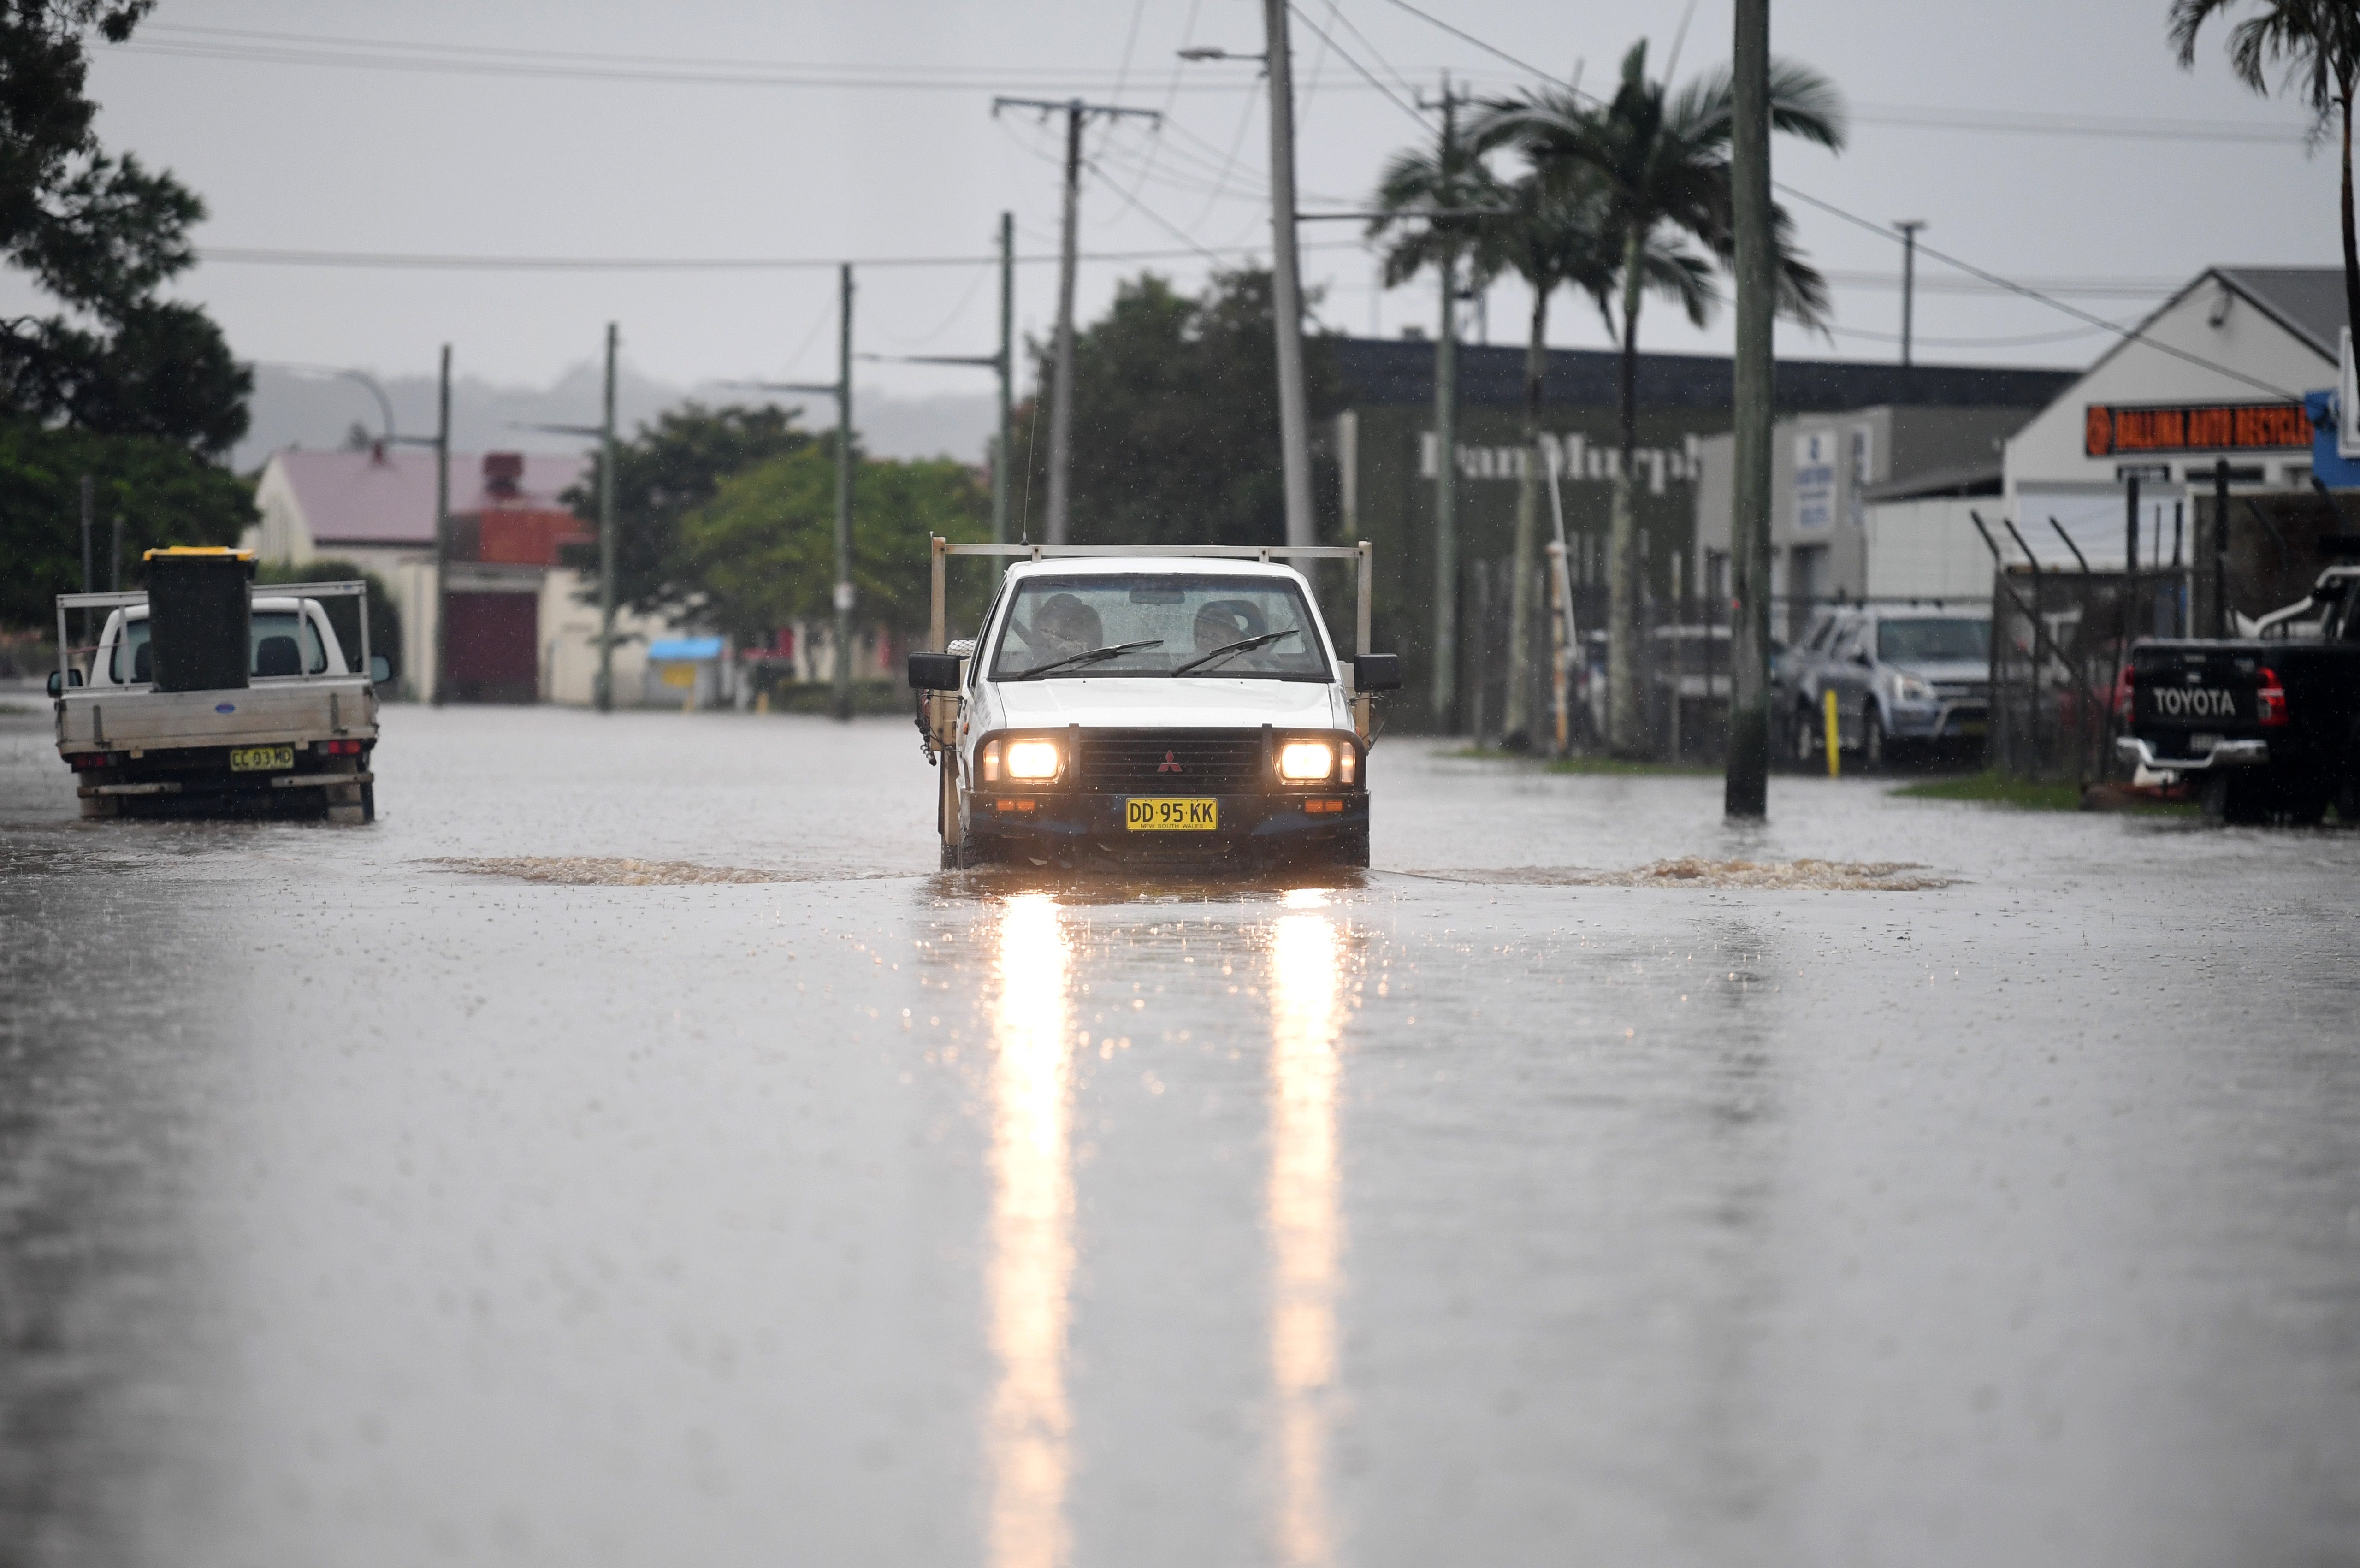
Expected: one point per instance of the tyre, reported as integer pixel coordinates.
(2241, 799)
(1806, 747)
(1875, 750)
(369, 802)
(1353, 850)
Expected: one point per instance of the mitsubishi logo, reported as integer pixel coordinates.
(1168, 765)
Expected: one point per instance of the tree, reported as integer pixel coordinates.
(1175, 418)
(1664, 161)
(164, 493)
(1556, 235)
(1438, 206)
(2318, 40)
(663, 473)
(100, 234)
(761, 551)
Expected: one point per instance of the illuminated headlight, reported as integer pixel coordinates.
(1301, 761)
(1909, 688)
(1033, 760)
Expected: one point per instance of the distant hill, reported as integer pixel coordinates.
(292, 408)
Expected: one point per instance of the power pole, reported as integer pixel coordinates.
(1746, 787)
(441, 529)
(86, 587)
(1286, 284)
(1446, 446)
(606, 537)
(844, 501)
(1908, 228)
(1061, 395)
(1005, 454)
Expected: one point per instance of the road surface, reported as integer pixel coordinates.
(631, 1150)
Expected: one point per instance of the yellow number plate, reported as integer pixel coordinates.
(260, 759)
(1172, 815)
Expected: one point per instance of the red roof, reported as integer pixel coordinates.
(365, 497)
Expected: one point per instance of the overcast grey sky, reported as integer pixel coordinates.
(553, 149)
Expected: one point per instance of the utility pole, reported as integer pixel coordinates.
(1908, 228)
(1445, 445)
(607, 536)
(1061, 395)
(1286, 285)
(1746, 785)
(442, 527)
(1003, 362)
(86, 587)
(1005, 455)
(844, 499)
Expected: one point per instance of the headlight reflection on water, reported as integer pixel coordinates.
(1029, 1275)
(1306, 980)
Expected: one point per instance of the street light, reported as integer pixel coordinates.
(384, 403)
(1285, 272)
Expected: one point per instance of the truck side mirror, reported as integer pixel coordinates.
(57, 683)
(380, 669)
(934, 672)
(1376, 672)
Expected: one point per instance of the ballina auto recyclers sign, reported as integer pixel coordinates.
(2109, 430)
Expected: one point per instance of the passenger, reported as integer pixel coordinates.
(1223, 621)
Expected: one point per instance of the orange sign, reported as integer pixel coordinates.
(2108, 430)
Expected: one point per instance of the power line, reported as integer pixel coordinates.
(1365, 74)
(2128, 335)
(229, 45)
(386, 260)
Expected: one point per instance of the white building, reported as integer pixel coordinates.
(376, 509)
(2217, 373)
(1845, 519)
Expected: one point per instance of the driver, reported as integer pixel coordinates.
(1065, 620)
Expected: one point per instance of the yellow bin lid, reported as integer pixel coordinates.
(222, 550)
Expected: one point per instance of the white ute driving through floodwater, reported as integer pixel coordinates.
(1152, 705)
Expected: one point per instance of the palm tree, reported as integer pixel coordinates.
(1440, 209)
(2319, 42)
(1555, 235)
(1663, 159)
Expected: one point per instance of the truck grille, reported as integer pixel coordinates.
(1171, 761)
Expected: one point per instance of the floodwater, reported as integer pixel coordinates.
(631, 1150)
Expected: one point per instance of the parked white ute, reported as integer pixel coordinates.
(1163, 706)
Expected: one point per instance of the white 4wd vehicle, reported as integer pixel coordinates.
(297, 736)
(1151, 705)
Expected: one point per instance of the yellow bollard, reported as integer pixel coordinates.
(1835, 736)
(762, 702)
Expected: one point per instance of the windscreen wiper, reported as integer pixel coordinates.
(1239, 646)
(1087, 656)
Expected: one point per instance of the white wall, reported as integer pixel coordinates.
(568, 645)
(2048, 453)
(1930, 549)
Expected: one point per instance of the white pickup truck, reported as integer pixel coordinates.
(296, 740)
(1151, 705)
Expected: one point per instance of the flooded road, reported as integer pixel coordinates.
(631, 1150)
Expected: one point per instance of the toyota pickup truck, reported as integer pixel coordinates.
(2267, 727)
(293, 736)
(1151, 705)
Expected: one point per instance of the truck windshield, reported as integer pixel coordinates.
(1933, 641)
(1183, 617)
(284, 639)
